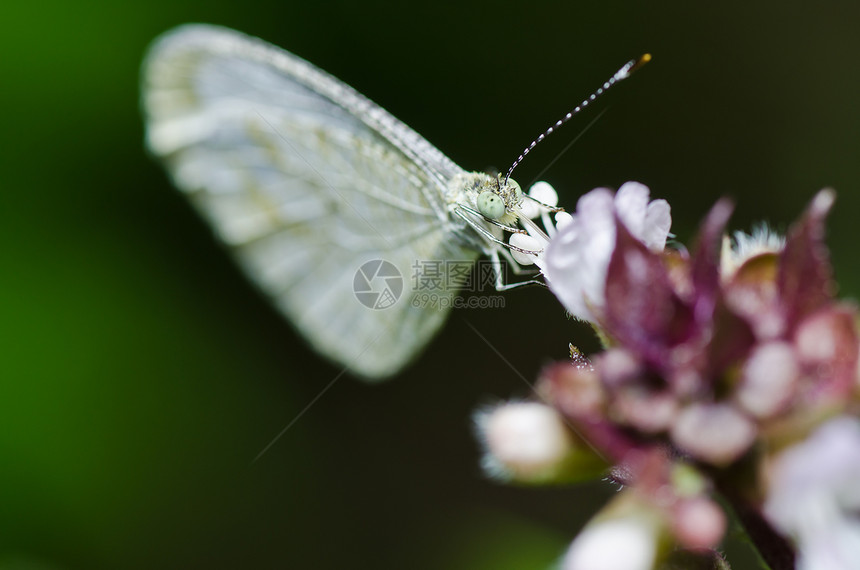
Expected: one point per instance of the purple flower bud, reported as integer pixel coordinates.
(715, 433)
(768, 380)
(698, 523)
(827, 346)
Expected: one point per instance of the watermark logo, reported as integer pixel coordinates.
(377, 284)
(434, 284)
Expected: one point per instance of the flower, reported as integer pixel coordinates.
(665, 506)
(814, 496)
(523, 440)
(628, 543)
(742, 247)
(576, 260)
(529, 442)
(721, 364)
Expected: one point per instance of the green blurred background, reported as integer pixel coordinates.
(141, 374)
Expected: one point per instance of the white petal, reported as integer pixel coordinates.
(562, 219)
(525, 242)
(631, 203)
(544, 192)
(658, 222)
(814, 496)
(615, 544)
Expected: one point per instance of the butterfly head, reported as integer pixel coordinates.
(501, 201)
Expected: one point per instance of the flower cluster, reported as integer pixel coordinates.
(729, 370)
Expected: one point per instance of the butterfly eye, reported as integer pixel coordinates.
(491, 205)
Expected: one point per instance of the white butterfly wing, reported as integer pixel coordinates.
(306, 180)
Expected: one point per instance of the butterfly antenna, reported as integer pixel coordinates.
(620, 75)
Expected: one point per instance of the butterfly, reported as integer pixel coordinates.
(334, 208)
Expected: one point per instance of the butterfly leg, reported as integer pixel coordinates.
(498, 269)
(484, 232)
(515, 266)
(542, 205)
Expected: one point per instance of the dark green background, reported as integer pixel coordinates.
(141, 374)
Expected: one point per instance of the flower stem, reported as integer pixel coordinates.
(774, 549)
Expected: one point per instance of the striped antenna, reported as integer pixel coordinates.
(621, 74)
